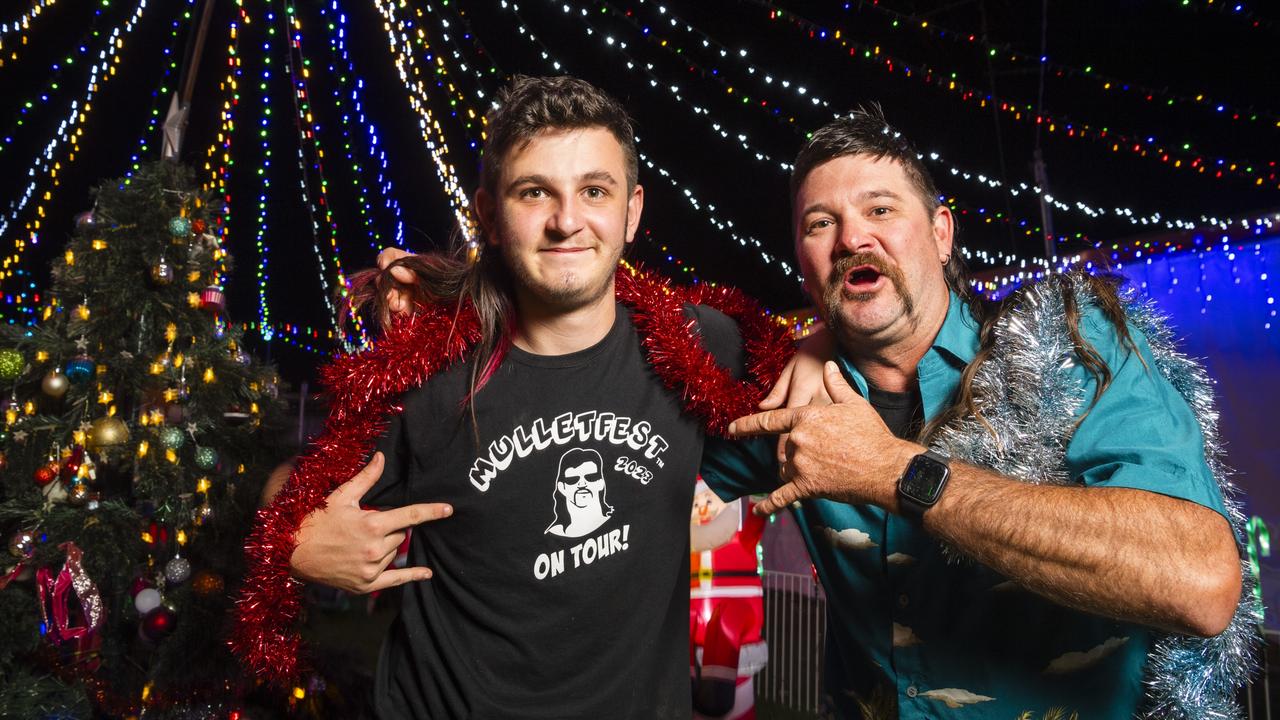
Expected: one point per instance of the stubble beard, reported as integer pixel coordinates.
(568, 291)
(835, 295)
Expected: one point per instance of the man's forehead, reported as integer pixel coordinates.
(557, 141)
(856, 177)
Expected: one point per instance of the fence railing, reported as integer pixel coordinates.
(795, 626)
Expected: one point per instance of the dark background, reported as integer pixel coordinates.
(1105, 147)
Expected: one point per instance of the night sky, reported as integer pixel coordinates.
(962, 79)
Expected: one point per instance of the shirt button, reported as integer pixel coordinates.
(903, 600)
(911, 691)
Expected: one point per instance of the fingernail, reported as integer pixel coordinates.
(733, 428)
(446, 511)
(426, 575)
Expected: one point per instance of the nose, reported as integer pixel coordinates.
(854, 237)
(566, 220)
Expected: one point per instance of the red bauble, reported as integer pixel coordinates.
(198, 227)
(46, 474)
(159, 623)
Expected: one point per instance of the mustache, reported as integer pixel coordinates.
(859, 259)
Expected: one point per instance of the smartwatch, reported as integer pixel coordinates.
(922, 483)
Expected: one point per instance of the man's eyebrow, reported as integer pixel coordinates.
(818, 208)
(878, 193)
(528, 180)
(600, 176)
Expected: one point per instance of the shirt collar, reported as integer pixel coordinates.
(957, 341)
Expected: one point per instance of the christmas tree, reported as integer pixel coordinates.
(137, 432)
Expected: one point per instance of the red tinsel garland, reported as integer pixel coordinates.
(363, 387)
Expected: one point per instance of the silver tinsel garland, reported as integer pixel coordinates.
(1028, 398)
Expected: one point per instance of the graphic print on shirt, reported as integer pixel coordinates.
(580, 505)
(606, 451)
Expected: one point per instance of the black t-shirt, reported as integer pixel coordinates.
(559, 586)
(902, 412)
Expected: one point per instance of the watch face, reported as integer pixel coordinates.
(924, 479)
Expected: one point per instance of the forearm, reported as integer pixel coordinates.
(1123, 553)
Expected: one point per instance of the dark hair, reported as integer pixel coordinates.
(865, 131)
(464, 273)
(531, 105)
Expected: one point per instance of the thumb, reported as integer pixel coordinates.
(355, 488)
(837, 387)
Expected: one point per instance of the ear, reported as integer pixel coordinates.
(486, 214)
(635, 206)
(944, 228)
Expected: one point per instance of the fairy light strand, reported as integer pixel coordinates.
(432, 134)
(350, 84)
(68, 132)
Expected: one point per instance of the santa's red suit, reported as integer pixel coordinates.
(726, 610)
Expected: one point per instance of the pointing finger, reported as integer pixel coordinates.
(399, 576)
(777, 500)
(766, 423)
(391, 521)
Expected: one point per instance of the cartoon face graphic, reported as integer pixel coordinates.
(579, 496)
(712, 522)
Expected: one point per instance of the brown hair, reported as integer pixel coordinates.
(526, 107)
(865, 131)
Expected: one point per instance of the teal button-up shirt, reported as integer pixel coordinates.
(934, 638)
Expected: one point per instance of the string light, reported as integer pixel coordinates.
(309, 136)
(349, 83)
(398, 34)
(1158, 97)
(723, 225)
(41, 98)
(69, 131)
(264, 176)
(1128, 214)
(21, 23)
(1143, 145)
(161, 92)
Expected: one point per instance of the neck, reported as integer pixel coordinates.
(547, 330)
(889, 361)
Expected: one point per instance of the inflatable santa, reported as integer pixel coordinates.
(726, 612)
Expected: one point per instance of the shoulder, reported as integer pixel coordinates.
(719, 335)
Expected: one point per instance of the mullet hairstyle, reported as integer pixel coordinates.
(865, 131)
(465, 273)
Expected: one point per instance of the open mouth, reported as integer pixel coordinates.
(863, 278)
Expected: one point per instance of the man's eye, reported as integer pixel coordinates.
(819, 225)
(532, 193)
(595, 193)
(882, 210)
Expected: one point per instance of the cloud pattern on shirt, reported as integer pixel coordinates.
(1073, 661)
(955, 697)
(848, 539)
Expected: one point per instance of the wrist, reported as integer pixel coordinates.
(897, 460)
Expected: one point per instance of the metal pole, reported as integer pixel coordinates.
(175, 123)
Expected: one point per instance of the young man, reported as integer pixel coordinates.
(1012, 512)
(554, 465)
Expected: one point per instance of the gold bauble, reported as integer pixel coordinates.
(55, 384)
(107, 432)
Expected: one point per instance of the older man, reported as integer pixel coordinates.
(1009, 506)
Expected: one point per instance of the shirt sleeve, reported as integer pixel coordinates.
(389, 490)
(733, 468)
(1141, 434)
(720, 337)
